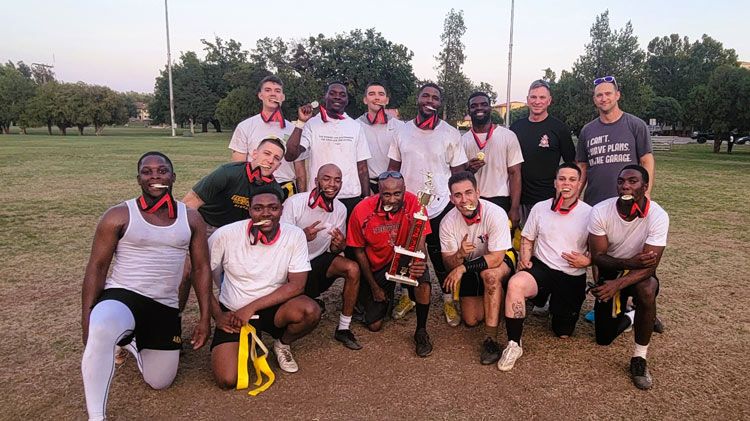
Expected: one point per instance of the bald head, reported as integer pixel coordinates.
(328, 181)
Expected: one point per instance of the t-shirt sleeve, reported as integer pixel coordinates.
(658, 230)
(513, 150)
(642, 137)
(531, 229)
(448, 241)
(354, 235)
(394, 152)
(340, 223)
(597, 224)
(499, 234)
(363, 149)
(456, 154)
(287, 216)
(210, 186)
(567, 148)
(300, 261)
(582, 154)
(216, 246)
(240, 139)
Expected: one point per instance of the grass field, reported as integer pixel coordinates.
(55, 188)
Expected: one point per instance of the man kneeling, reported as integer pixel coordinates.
(552, 265)
(265, 267)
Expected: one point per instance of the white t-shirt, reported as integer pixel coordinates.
(501, 151)
(379, 138)
(254, 271)
(298, 213)
(490, 234)
(626, 239)
(340, 142)
(250, 132)
(420, 151)
(554, 233)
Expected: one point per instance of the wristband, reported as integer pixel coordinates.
(299, 124)
(477, 265)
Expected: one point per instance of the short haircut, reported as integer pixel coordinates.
(377, 84)
(270, 78)
(274, 140)
(540, 83)
(336, 82)
(431, 85)
(462, 176)
(640, 169)
(269, 188)
(570, 165)
(155, 153)
(476, 94)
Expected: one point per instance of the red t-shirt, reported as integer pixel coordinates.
(369, 228)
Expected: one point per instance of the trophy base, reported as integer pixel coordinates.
(405, 252)
(401, 279)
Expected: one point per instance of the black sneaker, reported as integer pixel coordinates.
(422, 341)
(490, 352)
(322, 305)
(639, 373)
(658, 325)
(346, 337)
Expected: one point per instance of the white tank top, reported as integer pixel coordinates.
(150, 259)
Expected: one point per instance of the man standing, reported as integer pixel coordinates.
(610, 142)
(475, 240)
(627, 236)
(378, 224)
(428, 145)
(270, 287)
(333, 137)
(323, 219)
(138, 301)
(553, 261)
(495, 157)
(270, 122)
(545, 141)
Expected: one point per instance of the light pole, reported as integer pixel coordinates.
(169, 71)
(510, 66)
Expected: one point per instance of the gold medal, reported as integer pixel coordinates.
(480, 156)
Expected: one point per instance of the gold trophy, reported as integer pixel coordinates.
(407, 253)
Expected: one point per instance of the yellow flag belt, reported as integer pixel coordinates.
(259, 362)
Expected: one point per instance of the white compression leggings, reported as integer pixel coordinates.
(109, 323)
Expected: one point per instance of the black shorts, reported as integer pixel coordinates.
(566, 293)
(609, 317)
(264, 323)
(377, 310)
(472, 284)
(157, 326)
(350, 203)
(317, 282)
(502, 201)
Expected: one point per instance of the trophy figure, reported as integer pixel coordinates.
(407, 253)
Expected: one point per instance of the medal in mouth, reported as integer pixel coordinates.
(262, 223)
(430, 108)
(160, 186)
(470, 207)
(626, 197)
(387, 208)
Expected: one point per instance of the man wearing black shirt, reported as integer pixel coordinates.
(544, 141)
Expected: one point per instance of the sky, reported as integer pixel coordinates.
(123, 44)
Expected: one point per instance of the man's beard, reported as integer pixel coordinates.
(480, 122)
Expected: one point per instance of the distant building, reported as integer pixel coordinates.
(744, 64)
(142, 111)
(500, 108)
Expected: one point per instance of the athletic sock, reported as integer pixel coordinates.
(490, 332)
(344, 322)
(514, 328)
(640, 351)
(447, 297)
(422, 312)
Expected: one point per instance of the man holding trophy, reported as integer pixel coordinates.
(378, 224)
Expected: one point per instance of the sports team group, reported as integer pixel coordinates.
(515, 218)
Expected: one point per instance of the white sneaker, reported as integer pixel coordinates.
(284, 357)
(451, 313)
(541, 311)
(511, 353)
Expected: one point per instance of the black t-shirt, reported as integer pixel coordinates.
(543, 144)
(225, 194)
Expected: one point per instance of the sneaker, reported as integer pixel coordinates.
(589, 317)
(346, 337)
(639, 373)
(512, 353)
(541, 311)
(451, 314)
(121, 354)
(404, 305)
(658, 326)
(284, 357)
(423, 344)
(490, 352)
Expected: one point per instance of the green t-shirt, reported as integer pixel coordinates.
(225, 194)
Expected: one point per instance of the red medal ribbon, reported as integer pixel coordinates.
(380, 117)
(275, 116)
(481, 144)
(256, 235)
(636, 210)
(165, 200)
(254, 175)
(325, 115)
(476, 218)
(317, 200)
(427, 124)
(557, 206)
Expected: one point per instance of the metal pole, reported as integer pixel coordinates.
(169, 71)
(510, 65)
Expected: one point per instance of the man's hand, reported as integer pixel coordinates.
(338, 241)
(453, 278)
(200, 334)
(642, 260)
(312, 231)
(226, 322)
(607, 290)
(378, 295)
(417, 268)
(475, 164)
(515, 217)
(576, 259)
(524, 263)
(243, 315)
(466, 247)
(305, 113)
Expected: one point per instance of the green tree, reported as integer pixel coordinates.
(456, 86)
(727, 101)
(16, 90)
(518, 114)
(666, 110)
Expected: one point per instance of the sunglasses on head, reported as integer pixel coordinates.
(389, 174)
(606, 79)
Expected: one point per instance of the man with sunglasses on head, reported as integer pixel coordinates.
(610, 142)
(627, 236)
(377, 224)
(429, 145)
